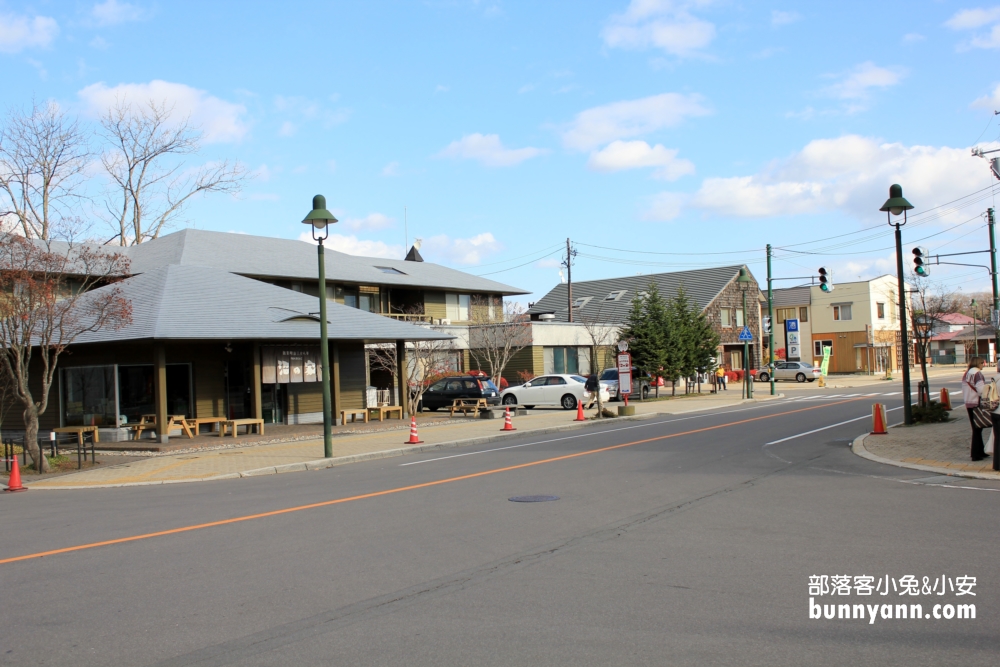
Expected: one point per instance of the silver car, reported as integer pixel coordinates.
(799, 371)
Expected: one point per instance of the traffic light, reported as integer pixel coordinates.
(767, 324)
(921, 261)
(825, 280)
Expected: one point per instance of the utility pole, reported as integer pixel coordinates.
(991, 223)
(568, 263)
(770, 318)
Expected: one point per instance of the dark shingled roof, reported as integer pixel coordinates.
(791, 296)
(200, 303)
(701, 285)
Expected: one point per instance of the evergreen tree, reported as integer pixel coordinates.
(644, 329)
(683, 335)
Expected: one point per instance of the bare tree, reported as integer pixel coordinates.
(47, 304)
(498, 330)
(43, 155)
(603, 334)
(151, 184)
(928, 304)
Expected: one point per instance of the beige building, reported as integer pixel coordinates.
(860, 321)
(792, 303)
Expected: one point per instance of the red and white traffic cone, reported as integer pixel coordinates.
(878, 419)
(507, 425)
(579, 412)
(14, 483)
(414, 439)
(945, 398)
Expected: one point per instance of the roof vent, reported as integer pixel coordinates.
(547, 317)
(414, 254)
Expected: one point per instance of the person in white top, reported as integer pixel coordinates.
(973, 384)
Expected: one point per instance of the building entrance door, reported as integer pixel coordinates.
(273, 401)
(238, 389)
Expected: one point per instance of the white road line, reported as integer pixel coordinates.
(851, 395)
(893, 393)
(817, 430)
(875, 394)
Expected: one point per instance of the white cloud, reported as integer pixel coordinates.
(968, 19)
(99, 43)
(112, 12)
(664, 206)
(441, 88)
(855, 84)
(779, 18)
(391, 169)
(218, 120)
(526, 88)
(631, 118)
(660, 24)
(971, 19)
(352, 245)
(303, 109)
(262, 173)
(371, 222)
(287, 129)
(487, 150)
(913, 38)
(849, 174)
(443, 248)
(991, 101)
(620, 155)
(20, 32)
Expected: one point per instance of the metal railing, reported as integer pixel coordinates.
(406, 317)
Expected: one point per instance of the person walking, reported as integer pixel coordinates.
(593, 386)
(973, 384)
(720, 375)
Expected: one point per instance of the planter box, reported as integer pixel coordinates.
(626, 410)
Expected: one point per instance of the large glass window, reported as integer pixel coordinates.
(457, 306)
(842, 312)
(137, 397)
(89, 396)
(567, 360)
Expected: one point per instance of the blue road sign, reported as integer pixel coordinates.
(791, 325)
(745, 335)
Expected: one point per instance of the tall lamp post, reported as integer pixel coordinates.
(897, 205)
(975, 332)
(319, 219)
(744, 281)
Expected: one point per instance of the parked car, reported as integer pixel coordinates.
(443, 393)
(799, 371)
(564, 390)
(610, 378)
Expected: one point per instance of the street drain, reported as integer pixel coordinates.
(532, 499)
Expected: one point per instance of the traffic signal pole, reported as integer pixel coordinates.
(770, 315)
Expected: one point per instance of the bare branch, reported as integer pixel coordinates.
(498, 330)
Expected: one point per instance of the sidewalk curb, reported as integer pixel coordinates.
(858, 447)
(322, 464)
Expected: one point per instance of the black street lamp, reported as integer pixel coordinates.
(975, 332)
(744, 281)
(896, 205)
(320, 219)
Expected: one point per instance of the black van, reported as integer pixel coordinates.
(443, 393)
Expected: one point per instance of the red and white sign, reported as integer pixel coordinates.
(625, 373)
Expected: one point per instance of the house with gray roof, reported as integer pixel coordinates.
(227, 325)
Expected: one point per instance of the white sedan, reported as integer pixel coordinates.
(564, 390)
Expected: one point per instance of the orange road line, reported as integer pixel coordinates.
(413, 487)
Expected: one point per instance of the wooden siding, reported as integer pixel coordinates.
(435, 305)
(844, 357)
(529, 359)
(305, 397)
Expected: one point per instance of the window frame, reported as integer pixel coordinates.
(818, 347)
(838, 312)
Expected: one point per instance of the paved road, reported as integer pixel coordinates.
(685, 540)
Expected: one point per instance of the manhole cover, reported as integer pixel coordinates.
(532, 499)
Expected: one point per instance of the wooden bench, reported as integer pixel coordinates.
(354, 415)
(195, 423)
(148, 423)
(235, 424)
(467, 405)
(79, 430)
(386, 411)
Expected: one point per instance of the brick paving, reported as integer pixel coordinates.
(942, 448)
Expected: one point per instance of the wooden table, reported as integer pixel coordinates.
(234, 424)
(467, 405)
(194, 423)
(79, 430)
(386, 410)
(354, 415)
(148, 423)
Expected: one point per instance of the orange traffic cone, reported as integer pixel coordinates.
(14, 483)
(414, 439)
(878, 419)
(579, 412)
(507, 425)
(945, 398)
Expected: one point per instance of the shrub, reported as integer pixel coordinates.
(930, 413)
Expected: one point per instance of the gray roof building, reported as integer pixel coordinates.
(177, 302)
(610, 299)
(791, 296)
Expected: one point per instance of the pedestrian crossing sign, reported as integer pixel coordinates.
(745, 335)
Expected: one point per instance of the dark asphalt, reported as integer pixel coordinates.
(694, 549)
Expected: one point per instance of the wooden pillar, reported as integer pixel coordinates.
(401, 374)
(258, 412)
(160, 392)
(335, 382)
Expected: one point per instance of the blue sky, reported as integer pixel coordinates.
(704, 128)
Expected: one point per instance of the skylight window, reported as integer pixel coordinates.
(614, 296)
(389, 269)
(581, 302)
